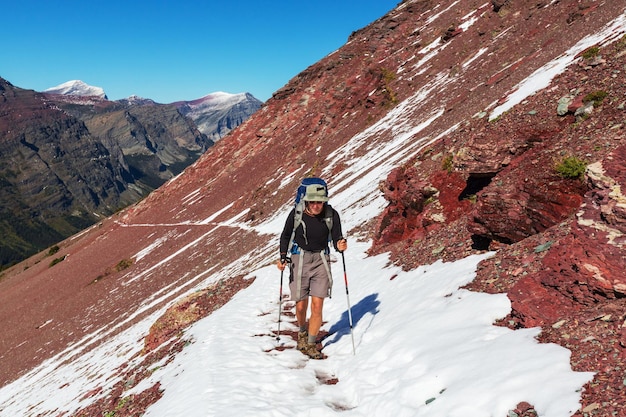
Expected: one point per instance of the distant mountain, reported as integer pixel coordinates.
(218, 113)
(82, 157)
(215, 114)
(77, 88)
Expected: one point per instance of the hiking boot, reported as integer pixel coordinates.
(303, 340)
(312, 352)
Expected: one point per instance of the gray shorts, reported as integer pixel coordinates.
(315, 280)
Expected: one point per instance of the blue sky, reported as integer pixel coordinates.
(174, 50)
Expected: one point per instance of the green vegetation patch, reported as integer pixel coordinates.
(123, 264)
(596, 97)
(446, 164)
(56, 261)
(387, 77)
(571, 167)
(591, 53)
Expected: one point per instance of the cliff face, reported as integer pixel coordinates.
(413, 94)
(68, 161)
(156, 141)
(216, 115)
(55, 174)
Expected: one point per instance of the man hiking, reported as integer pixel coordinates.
(310, 273)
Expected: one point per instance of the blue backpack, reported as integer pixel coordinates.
(299, 210)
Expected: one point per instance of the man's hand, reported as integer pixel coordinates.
(281, 265)
(342, 245)
(282, 262)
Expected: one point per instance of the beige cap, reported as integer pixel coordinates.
(315, 192)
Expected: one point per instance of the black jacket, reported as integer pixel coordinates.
(316, 238)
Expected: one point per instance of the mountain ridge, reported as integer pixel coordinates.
(215, 114)
(83, 157)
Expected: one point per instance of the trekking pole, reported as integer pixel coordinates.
(345, 279)
(280, 304)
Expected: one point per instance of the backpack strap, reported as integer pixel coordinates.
(328, 218)
(297, 219)
(330, 275)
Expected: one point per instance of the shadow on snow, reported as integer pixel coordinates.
(368, 304)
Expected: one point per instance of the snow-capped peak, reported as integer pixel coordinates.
(217, 100)
(77, 88)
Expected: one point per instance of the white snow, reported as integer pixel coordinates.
(76, 88)
(217, 101)
(423, 347)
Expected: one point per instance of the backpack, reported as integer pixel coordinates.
(299, 209)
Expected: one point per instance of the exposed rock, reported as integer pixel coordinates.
(531, 203)
(560, 241)
(564, 104)
(417, 207)
(450, 33)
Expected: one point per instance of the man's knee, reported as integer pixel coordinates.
(302, 305)
(316, 305)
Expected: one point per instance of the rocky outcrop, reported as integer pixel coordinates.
(584, 268)
(419, 206)
(560, 234)
(530, 203)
